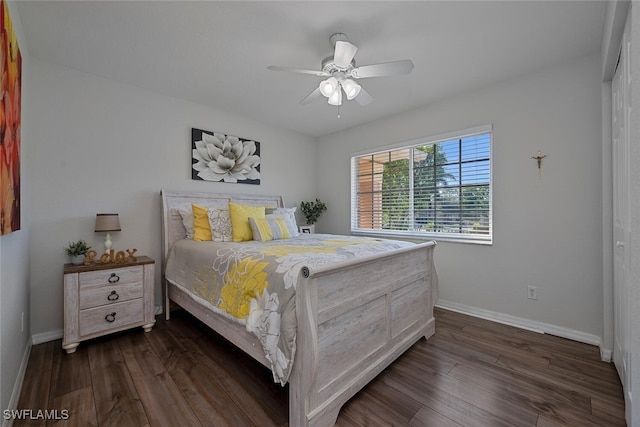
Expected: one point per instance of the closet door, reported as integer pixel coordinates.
(621, 115)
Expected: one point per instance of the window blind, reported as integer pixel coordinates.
(438, 188)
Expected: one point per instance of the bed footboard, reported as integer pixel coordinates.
(355, 318)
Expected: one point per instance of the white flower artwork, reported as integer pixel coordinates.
(226, 158)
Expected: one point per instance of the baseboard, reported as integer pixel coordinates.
(46, 336)
(606, 354)
(494, 316)
(17, 387)
(522, 323)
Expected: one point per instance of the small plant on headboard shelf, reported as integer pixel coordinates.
(312, 210)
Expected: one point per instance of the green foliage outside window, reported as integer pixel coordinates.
(441, 187)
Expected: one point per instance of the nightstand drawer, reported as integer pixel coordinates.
(94, 296)
(111, 316)
(114, 276)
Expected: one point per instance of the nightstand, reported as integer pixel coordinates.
(100, 299)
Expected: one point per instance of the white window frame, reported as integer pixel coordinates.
(486, 239)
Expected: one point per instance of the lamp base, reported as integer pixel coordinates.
(107, 243)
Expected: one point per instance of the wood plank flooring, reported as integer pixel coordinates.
(470, 373)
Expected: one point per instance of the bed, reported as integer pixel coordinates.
(353, 317)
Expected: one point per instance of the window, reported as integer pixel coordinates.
(438, 188)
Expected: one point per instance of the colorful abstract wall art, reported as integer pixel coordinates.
(11, 79)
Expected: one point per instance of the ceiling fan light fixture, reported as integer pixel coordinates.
(340, 70)
(351, 88)
(329, 87)
(336, 97)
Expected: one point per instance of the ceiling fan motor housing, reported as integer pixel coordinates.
(329, 66)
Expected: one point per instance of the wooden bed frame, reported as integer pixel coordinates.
(354, 318)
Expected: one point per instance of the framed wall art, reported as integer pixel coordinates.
(11, 63)
(307, 229)
(224, 158)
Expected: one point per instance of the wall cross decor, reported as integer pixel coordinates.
(539, 158)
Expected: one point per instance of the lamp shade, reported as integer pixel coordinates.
(107, 222)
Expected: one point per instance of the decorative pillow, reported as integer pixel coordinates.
(292, 226)
(274, 228)
(220, 224)
(289, 212)
(187, 221)
(240, 214)
(201, 227)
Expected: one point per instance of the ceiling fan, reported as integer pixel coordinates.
(341, 71)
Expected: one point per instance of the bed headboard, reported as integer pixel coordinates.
(172, 201)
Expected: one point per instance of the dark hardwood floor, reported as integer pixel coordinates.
(471, 373)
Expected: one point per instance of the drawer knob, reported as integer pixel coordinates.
(113, 296)
(114, 278)
(110, 317)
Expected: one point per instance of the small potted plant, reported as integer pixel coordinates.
(77, 251)
(311, 212)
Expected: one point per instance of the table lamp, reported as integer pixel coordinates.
(107, 222)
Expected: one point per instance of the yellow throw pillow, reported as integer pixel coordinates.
(240, 214)
(201, 227)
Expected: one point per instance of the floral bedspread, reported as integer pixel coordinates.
(254, 283)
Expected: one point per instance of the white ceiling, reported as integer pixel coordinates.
(216, 53)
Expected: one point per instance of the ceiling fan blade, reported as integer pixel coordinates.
(299, 70)
(309, 98)
(344, 54)
(385, 69)
(363, 97)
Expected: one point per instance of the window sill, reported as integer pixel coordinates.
(438, 237)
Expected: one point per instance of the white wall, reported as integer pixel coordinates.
(14, 254)
(547, 230)
(100, 146)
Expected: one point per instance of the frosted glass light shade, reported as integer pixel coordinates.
(328, 87)
(351, 88)
(336, 98)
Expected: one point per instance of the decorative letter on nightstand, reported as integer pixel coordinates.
(100, 299)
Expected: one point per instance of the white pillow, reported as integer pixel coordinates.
(187, 221)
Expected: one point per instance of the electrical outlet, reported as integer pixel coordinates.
(532, 292)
